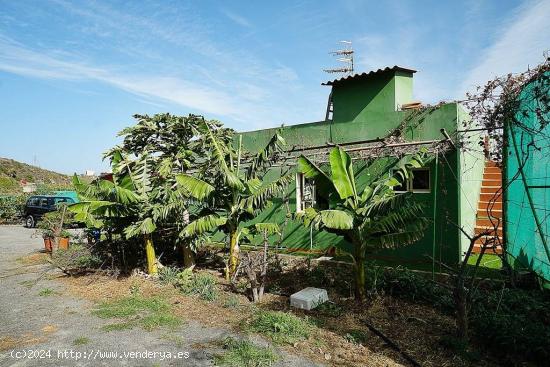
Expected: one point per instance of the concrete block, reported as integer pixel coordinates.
(308, 298)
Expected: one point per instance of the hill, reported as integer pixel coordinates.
(13, 172)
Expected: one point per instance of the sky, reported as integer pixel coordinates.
(72, 73)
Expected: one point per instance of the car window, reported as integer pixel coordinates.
(44, 202)
(33, 201)
(63, 200)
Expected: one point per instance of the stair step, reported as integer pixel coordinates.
(483, 205)
(491, 164)
(487, 182)
(493, 170)
(490, 189)
(486, 197)
(492, 176)
(486, 222)
(490, 231)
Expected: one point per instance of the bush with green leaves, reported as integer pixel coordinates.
(11, 208)
(77, 258)
(202, 285)
(506, 321)
(281, 327)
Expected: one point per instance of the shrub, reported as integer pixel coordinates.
(199, 284)
(242, 353)
(77, 258)
(281, 327)
(11, 208)
(169, 275)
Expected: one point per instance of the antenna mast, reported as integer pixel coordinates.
(344, 55)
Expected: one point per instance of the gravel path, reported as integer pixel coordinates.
(49, 325)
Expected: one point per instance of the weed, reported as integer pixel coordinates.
(28, 283)
(281, 327)
(46, 292)
(178, 340)
(169, 275)
(136, 310)
(330, 309)
(158, 320)
(356, 336)
(231, 302)
(81, 341)
(242, 353)
(460, 347)
(119, 326)
(199, 284)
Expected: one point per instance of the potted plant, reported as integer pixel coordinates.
(52, 231)
(64, 239)
(48, 235)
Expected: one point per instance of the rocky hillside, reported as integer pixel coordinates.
(13, 172)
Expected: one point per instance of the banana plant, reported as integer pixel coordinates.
(230, 192)
(373, 218)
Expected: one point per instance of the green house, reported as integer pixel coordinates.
(369, 110)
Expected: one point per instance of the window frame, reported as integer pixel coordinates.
(411, 181)
(300, 184)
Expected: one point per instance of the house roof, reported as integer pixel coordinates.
(368, 74)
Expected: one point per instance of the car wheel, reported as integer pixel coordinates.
(29, 221)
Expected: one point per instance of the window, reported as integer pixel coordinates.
(403, 187)
(33, 201)
(305, 193)
(421, 180)
(44, 202)
(418, 182)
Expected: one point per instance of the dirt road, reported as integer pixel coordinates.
(41, 325)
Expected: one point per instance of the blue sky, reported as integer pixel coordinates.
(72, 73)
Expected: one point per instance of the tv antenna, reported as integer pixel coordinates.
(345, 56)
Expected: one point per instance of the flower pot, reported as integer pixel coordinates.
(63, 243)
(48, 244)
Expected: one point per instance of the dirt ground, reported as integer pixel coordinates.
(44, 323)
(31, 320)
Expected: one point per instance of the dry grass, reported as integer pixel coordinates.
(9, 343)
(36, 258)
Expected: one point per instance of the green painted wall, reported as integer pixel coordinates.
(362, 113)
(471, 166)
(525, 243)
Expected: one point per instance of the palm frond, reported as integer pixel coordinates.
(342, 173)
(145, 226)
(267, 228)
(262, 160)
(194, 187)
(203, 224)
(263, 194)
(221, 151)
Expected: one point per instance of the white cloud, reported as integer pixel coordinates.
(239, 19)
(520, 43)
(17, 59)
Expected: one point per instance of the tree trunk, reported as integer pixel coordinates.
(263, 273)
(188, 256)
(360, 279)
(461, 311)
(233, 252)
(150, 253)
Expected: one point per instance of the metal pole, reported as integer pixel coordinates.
(434, 212)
